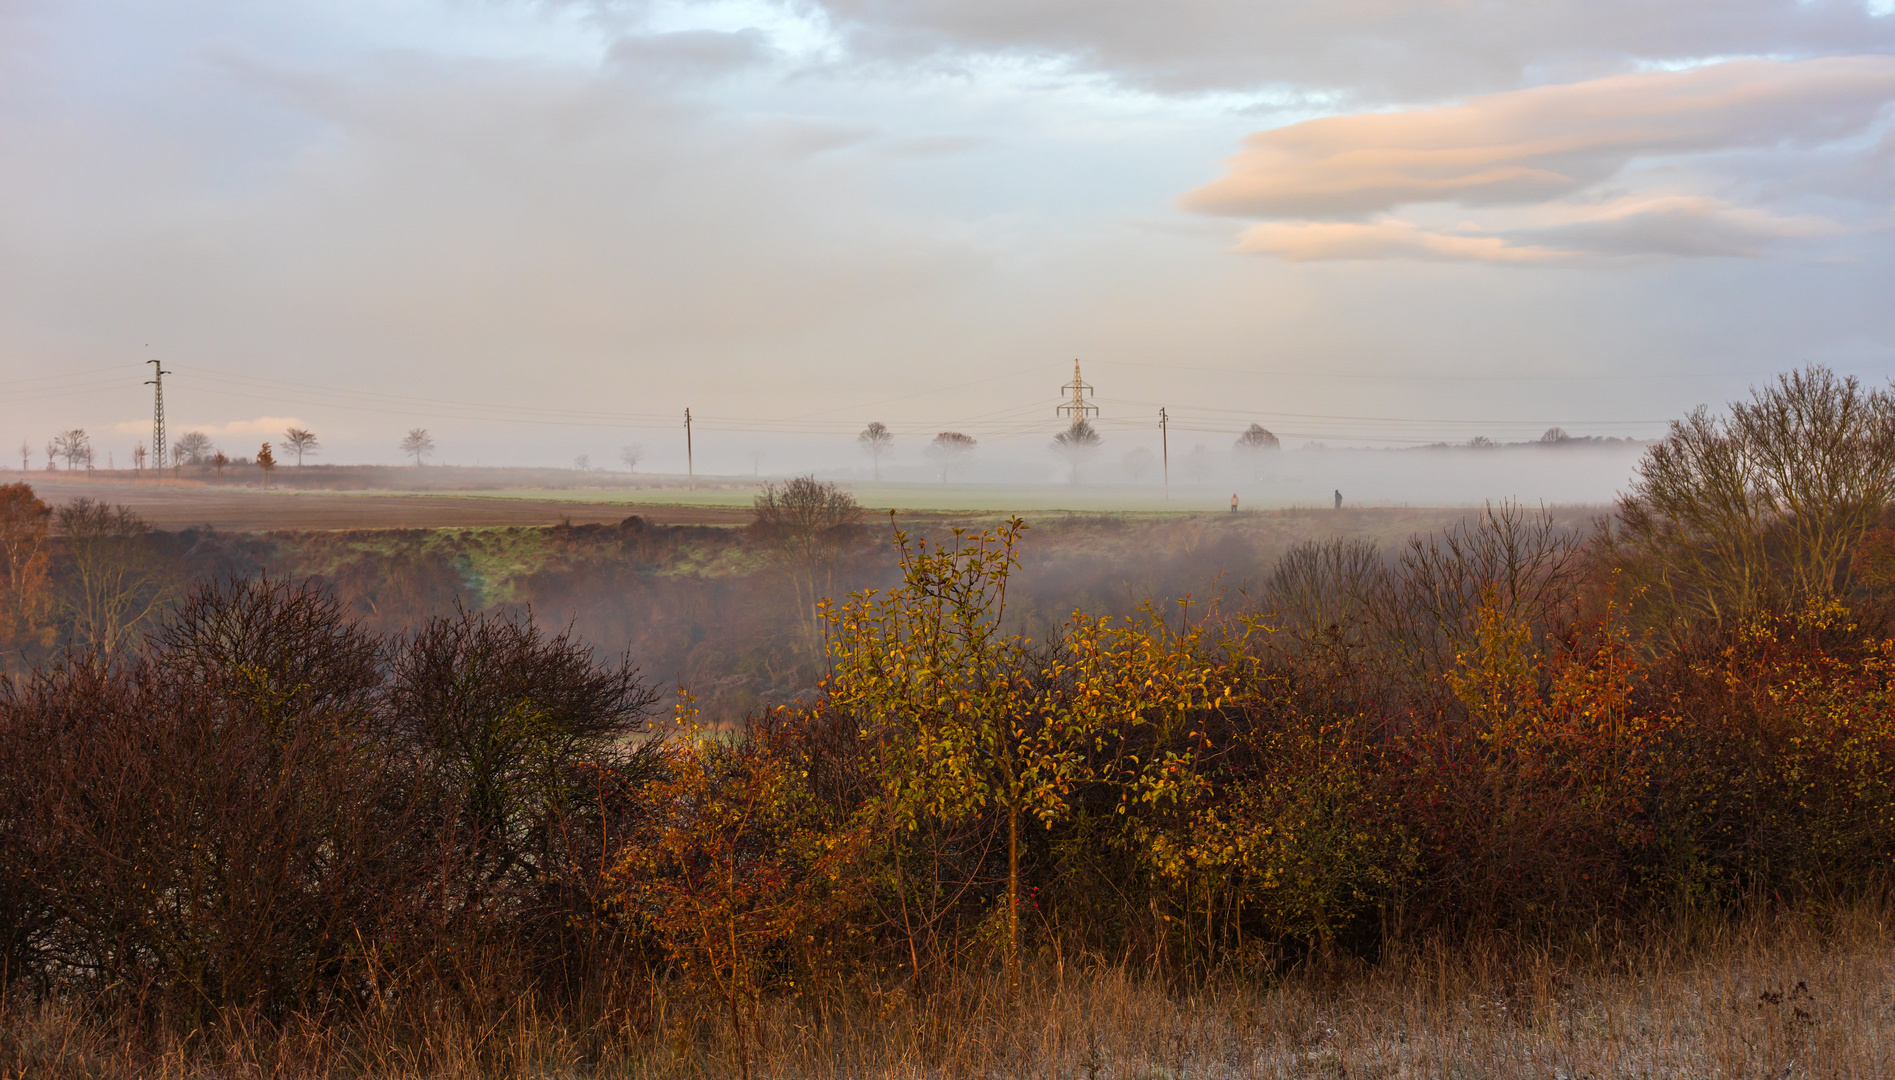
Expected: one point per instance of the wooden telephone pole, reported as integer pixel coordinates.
(1164, 442)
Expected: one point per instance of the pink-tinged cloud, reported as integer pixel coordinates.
(1534, 145)
(1317, 241)
(265, 426)
(1682, 225)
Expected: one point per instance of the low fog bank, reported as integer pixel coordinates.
(1575, 473)
(1578, 472)
(1446, 476)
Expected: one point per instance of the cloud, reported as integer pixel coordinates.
(1368, 49)
(1680, 225)
(1315, 241)
(1683, 225)
(268, 427)
(1555, 166)
(1534, 145)
(689, 55)
(934, 146)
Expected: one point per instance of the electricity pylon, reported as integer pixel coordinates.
(1080, 390)
(157, 417)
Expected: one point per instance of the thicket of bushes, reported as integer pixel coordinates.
(1507, 726)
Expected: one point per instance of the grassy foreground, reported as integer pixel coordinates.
(1792, 994)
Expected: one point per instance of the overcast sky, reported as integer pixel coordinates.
(545, 229)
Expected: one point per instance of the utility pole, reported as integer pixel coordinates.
(1081, 390)
(1164, 441)
(157, 418)
(690, 464)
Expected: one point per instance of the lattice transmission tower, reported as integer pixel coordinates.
(1080, 389)
(157, 415)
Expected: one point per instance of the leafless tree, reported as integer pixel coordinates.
(1140, 464)
(582, 463)
(193, 448)
(1257, 437)
(1480, 442)
(74, 446)
(631, 455)
(876, 439)
(139, 456)
(1198, 464)
(301, 441)
(1077, 443)
(1322, 594)
(1763, 506)
(417, 444)
(26, 454)
(949, 448)
(807, 521)
(219, 462)
(1553, 436)
(111, 581)
(24, 563)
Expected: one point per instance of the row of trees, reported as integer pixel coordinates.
(1077, 444)
(74, 447)
(195, 448)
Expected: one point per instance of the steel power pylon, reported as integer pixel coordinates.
(1080, 390)
(157, 416)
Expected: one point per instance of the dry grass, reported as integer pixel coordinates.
(1785, 996)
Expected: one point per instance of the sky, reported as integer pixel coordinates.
(542, 229)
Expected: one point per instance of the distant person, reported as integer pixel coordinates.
(1338, 498)
(1233, 502)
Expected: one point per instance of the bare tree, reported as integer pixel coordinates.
(806, 520)
(1764, 506)
(1077, 443)
(582, 463)
(219, 462)
(1140, 464)
(1257, 437)
(1321, 593)
(26, 454)
(417, 444)
(631, 455)
(301, 441)
(24, 562)
(111, 582)
(139, 456)
(1553, 436)
(1198, 464)
(950, 448)
(193, 448)
(74, 446)
(876, 439)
